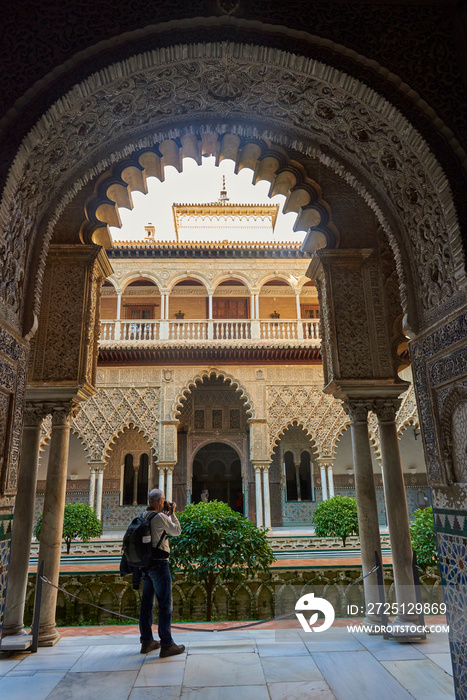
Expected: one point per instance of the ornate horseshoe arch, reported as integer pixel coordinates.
(151, 101)
(205, 374)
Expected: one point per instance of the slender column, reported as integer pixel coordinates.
(297, 481)
(366, 498)
(164, 327)
(330, 481)
(100, 488)
(161, 479)
(253, 306)
(324, 488)
(168, 493)
(135, 485)
(119, 315)
(119, 305)
(297, 301)
(396, 505)
(299, 315)
(267, 500)
(23, 520)
(210, 305)
(52, 519)
(259, 500)
(257, 305)
(92, 486)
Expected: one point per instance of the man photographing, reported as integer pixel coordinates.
(157, 579)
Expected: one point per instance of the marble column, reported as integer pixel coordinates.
(267, 499)
(161, 479)
(92, 486)
(324, 488)
(367, 509)
(23, 519)
(118, 318)
(100, 489)
(52, 519)
(330, 480)
(135, 485)
(169, 487)
(297, 480)
(396, 505)
(259, 499)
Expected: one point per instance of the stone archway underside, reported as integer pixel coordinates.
(301, 104)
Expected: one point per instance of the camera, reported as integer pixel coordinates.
(168, 507)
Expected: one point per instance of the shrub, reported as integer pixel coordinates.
(422, 532)
(80, 522)
(218, 544)
(336, 517)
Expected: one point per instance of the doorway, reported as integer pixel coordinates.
(217, 469)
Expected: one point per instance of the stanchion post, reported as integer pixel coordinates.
(37, 608)
(382, 597)
(418, 592)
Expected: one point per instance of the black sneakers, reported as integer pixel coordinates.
(172, 650)
(146, 647)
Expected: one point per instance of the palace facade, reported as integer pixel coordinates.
(210, 377)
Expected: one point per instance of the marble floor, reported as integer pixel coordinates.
(250, 664)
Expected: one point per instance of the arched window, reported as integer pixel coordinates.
(290, 477)
(143, 479)
(306, 477)
(128, 479)
(142, 485)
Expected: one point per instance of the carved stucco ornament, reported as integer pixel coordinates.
(227, 83)
(293, 99)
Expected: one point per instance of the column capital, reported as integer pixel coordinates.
(386, 409)
(357, 409)
(166, 465)
(260, 464)
(62, 413)
(34, 414)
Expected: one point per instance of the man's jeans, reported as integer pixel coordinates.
(157, 580)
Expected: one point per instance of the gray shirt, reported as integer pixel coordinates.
(161, 522)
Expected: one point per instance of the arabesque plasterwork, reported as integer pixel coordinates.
(104, 416)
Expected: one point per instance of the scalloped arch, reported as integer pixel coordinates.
(198, 379)
(269, 163)
(369, 154)
(129, 425)
(341, 429)
(295, 422)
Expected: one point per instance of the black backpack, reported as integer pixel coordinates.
(137, 542)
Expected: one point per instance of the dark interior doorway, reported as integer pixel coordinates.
(217, 468)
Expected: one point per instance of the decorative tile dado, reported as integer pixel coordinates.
(6, 522)
(13, 361)
(426, 354)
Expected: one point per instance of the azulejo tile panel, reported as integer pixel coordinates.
(453, 566)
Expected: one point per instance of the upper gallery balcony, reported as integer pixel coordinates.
(151, 330)
(190, 314)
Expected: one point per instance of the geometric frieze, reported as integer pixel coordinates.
(103, 416)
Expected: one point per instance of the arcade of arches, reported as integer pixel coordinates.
(227, 388)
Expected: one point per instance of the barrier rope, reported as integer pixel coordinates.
(191, 628)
